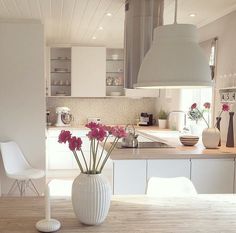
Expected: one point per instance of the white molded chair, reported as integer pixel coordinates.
(170, 187)
(18, 168)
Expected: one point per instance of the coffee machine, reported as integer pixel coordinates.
(64, 117)
(146, 119)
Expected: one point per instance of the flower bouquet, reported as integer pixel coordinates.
(210, 136)
(91, 191)
(98, 133)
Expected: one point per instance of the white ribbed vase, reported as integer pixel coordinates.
(91, 197)
(211, 138)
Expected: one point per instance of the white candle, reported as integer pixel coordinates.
(47, 203)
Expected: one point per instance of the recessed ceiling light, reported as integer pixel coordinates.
(100, 28)
(109, 14)
(192, 15)
(94, 37)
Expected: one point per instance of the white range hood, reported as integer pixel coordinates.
(174, 60)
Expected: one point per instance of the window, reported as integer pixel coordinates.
(201, 95)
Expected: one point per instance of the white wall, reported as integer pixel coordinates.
(22, 89)
(224, 29)
(170, 100)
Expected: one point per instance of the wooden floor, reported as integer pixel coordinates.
(205, 214)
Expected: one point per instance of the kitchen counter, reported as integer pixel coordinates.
(178, 152)
(143, 214)
(153, 133)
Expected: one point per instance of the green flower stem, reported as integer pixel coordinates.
(102, 151)
(90, 158)
(108, 153)
(95, 156)
(203, 117)
(84, 160)
(93, 150)
(78, 162)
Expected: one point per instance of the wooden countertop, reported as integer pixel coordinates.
(178, 152)
(132, 214)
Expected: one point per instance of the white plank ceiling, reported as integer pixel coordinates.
(85, 22)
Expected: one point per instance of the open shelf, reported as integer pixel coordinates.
(63, 59)
(227, 88)
(60, 85)
(60, 72)
(114, 59)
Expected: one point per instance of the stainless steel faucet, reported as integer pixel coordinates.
(185, 129)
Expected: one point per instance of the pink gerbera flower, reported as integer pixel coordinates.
(64, 136)
(225, 107)
(207, 105)
(194, 106)
(75, 143)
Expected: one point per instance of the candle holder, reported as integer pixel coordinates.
(48, 224)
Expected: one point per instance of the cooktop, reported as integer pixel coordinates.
(146, 145)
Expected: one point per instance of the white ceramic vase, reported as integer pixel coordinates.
(211, 138)
(162, 123)
(91, 197)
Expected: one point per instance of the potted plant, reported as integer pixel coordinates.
(91, 192)
(195, 115)
(162, 119)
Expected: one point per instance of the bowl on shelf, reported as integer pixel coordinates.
(115, 93)
(115, 56)
(61, 70)
(189, 140)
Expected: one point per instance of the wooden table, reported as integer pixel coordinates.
(129, 214)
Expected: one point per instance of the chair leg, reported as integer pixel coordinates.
(35, 189)
(22, 186)
(12, 187)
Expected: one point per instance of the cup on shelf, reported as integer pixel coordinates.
(115, 56)
(61, 82)
(67, 83)
(232, 96)
(109, 81)
(55, 82)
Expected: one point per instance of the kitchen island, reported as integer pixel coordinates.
(202, 213)
(211, 170)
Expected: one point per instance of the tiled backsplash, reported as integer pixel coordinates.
(110, 110)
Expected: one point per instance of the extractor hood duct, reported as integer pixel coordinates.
(141, 17)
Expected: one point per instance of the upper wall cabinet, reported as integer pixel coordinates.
(60, 72)
(88, 72)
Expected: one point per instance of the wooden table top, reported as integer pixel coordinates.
(132, 214)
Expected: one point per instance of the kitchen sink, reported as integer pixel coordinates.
(146, 145)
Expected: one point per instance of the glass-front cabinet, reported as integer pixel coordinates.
(114, 72)
(60, 71)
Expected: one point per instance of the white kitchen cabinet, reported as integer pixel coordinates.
(58, 155)
(167, 168)
(213, 175)
(88, 72)
(129, 177)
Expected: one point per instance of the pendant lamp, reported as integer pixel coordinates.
(175, 59)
